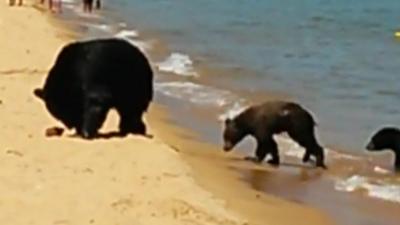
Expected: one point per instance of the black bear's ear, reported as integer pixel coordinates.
(38, 92)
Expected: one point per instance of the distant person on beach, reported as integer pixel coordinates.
(51, 5)
(98, 4)
(88, 5)
(12, 2)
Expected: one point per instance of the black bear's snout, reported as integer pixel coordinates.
(38, 92)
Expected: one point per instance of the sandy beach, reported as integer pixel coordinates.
(172, 178)
(69, 181)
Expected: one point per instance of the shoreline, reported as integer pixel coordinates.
(226, 176)
(216, 172)
(71, 181)
(302, 190)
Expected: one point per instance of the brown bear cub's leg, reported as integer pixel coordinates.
(264, 148)
(307, 140)
(270, 146)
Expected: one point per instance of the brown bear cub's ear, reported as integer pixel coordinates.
(228, 121)
(38, 92)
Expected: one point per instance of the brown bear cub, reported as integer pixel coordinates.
(387, 138)
(274, 117)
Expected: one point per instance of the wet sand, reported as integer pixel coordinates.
(216, 172)
(307, 188)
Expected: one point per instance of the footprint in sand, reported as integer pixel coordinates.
(14, 152)
(184, 211)
(61, 222)
(122, 205)
(88, 170)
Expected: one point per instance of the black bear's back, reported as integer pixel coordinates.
(122, 68)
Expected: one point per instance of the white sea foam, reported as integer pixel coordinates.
(292, 148)
(380, 170)
(127, 34)
(132, 37)
(195, 93)
(102, 27)
(122, 25)
(236, 108)
(336, 154)
(68, 1)
(177, 63)
(376, 189)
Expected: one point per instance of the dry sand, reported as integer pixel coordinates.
(129, 181)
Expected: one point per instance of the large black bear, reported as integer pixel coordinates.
(274, 117)
(91, 77)
(387, 138)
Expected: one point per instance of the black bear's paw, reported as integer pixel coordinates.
(311, 161)
(138, 128)
(321, 165)
(306, 158)
(252, 159)
(86, 135)
(274, 162)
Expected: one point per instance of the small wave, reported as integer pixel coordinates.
(102, 27)
(122, 24)
(68, 1)
(341, 155)
(233, 111)
(127, 34)
(380, 170)
(132, 37)
(388, 192)
(292, 148)
(195, 93)
(177, 63)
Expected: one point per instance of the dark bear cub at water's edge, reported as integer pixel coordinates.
(386, 138)
(274, 117)
(91, 77)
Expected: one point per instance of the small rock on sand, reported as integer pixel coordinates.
(54, 131)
